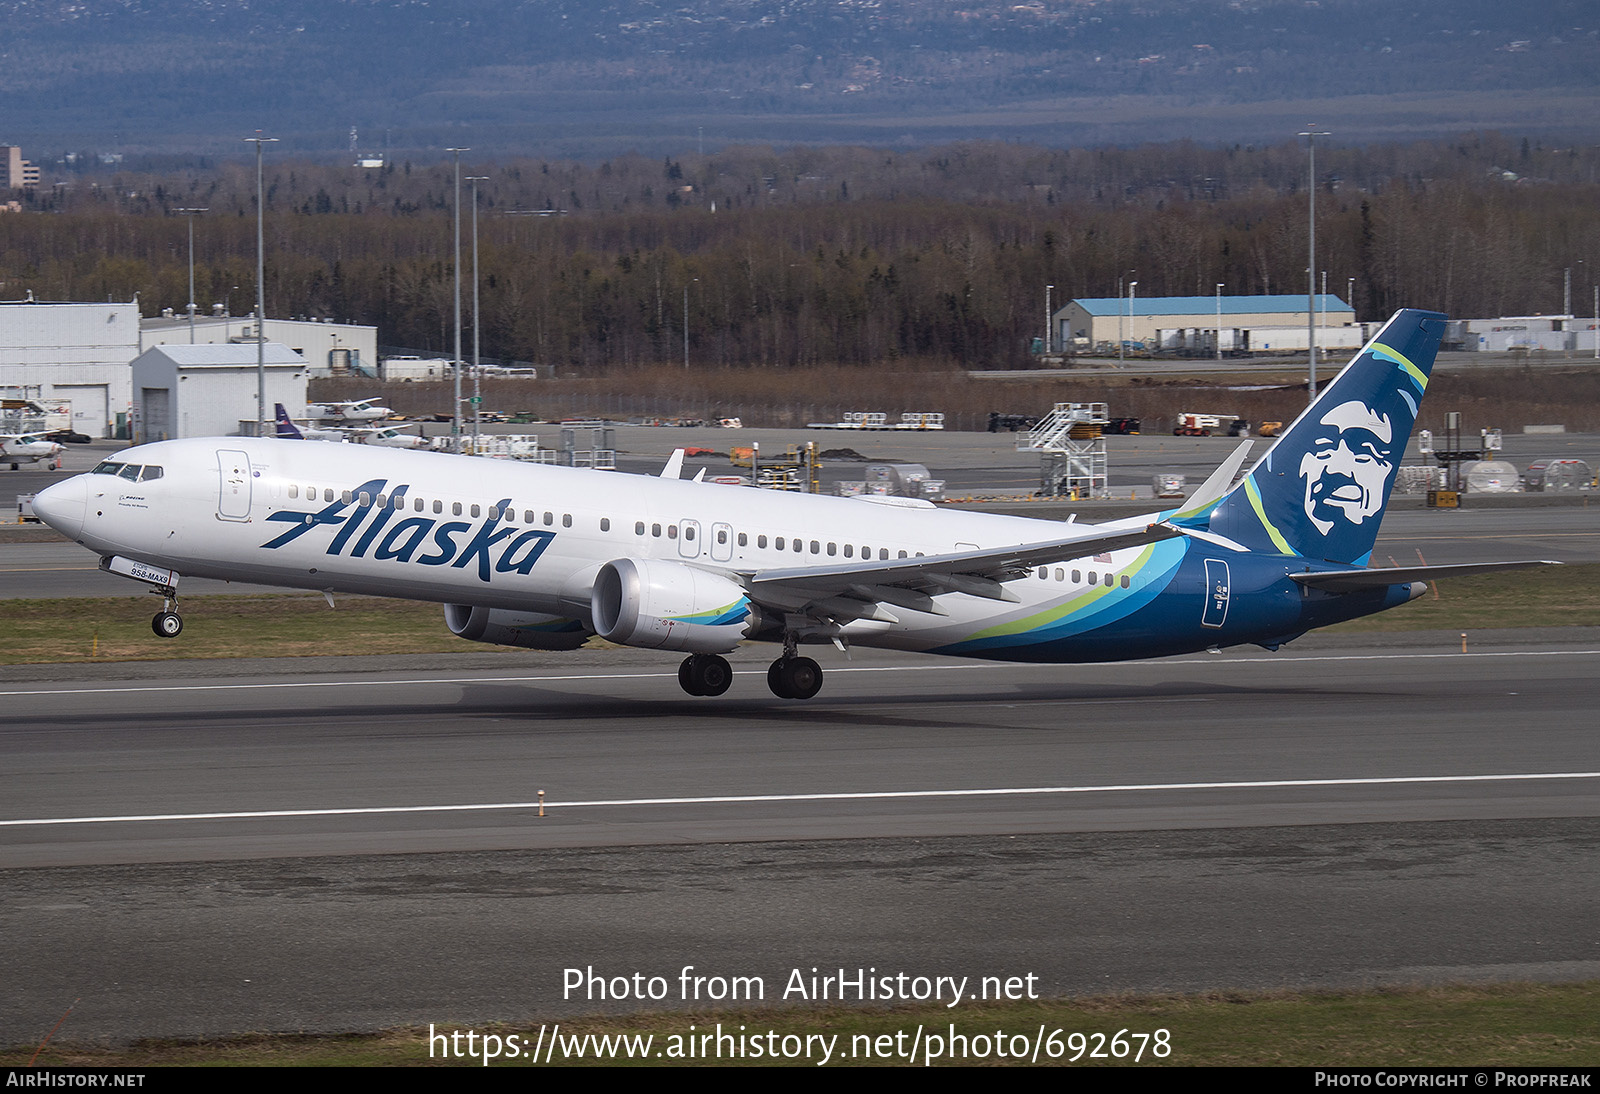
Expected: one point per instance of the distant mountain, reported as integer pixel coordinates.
(579, 77)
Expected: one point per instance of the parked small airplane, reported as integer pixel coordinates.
(387, 437)
(382, 436)
(20, 448)
(289, 431)
(359, 410)
(544, 557)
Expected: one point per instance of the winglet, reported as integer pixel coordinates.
(674, 467)
(1216, 487)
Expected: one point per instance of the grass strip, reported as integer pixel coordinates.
(301, 625)
(1543, 596)
(1549, 1025)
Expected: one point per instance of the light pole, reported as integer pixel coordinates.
(1350, 295)
(455, 412)
(1120, 333)
(1133, 289)
(261, 289)
(1049, 318)
(190, 214)
(1311, 134)
(686, 285)
(1219, 320)
(477, 361)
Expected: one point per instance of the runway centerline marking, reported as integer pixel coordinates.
(560, 678)
(738, 799)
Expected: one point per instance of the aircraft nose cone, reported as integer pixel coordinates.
(61, 506)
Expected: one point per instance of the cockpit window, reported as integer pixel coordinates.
(131, 471)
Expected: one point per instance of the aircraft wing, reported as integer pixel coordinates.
(855, 590)
(1349, 581)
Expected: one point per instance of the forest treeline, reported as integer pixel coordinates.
(811, 256)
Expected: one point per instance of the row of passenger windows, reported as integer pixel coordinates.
(1077, 577)
(657, 530)
(457, 509)
(779, 543)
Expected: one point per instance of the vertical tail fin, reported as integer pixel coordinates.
(1321, 489)
(286, 428)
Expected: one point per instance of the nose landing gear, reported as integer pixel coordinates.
(167, 622)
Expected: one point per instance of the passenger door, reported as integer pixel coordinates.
(233, 485)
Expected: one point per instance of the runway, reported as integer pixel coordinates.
(896, 745)
(196, 849)
(1343, 814)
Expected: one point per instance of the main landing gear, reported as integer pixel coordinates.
(167, 622)
(790, 677)
(705, 674)
(794, 677)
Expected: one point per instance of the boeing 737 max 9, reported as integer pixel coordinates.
(544, 557)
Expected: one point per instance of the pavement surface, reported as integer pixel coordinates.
(200, 849)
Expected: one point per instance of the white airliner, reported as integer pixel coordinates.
(544, 557)
(20, 448)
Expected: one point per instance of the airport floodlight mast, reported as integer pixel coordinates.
(455, 365)
(1049, 320)
(261, 288)
(1311, 133)
(1133, 289)
(1219, 320)
(191, 214)
(1122, 333)
(477, 346)
(686, 285)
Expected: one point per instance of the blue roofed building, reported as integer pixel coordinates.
(1193, 323)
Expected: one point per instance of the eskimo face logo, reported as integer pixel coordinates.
(1348, 466)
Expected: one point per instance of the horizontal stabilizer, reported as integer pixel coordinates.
(1349, 581)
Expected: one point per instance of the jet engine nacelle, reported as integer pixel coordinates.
(669, 606)
(530, 630)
